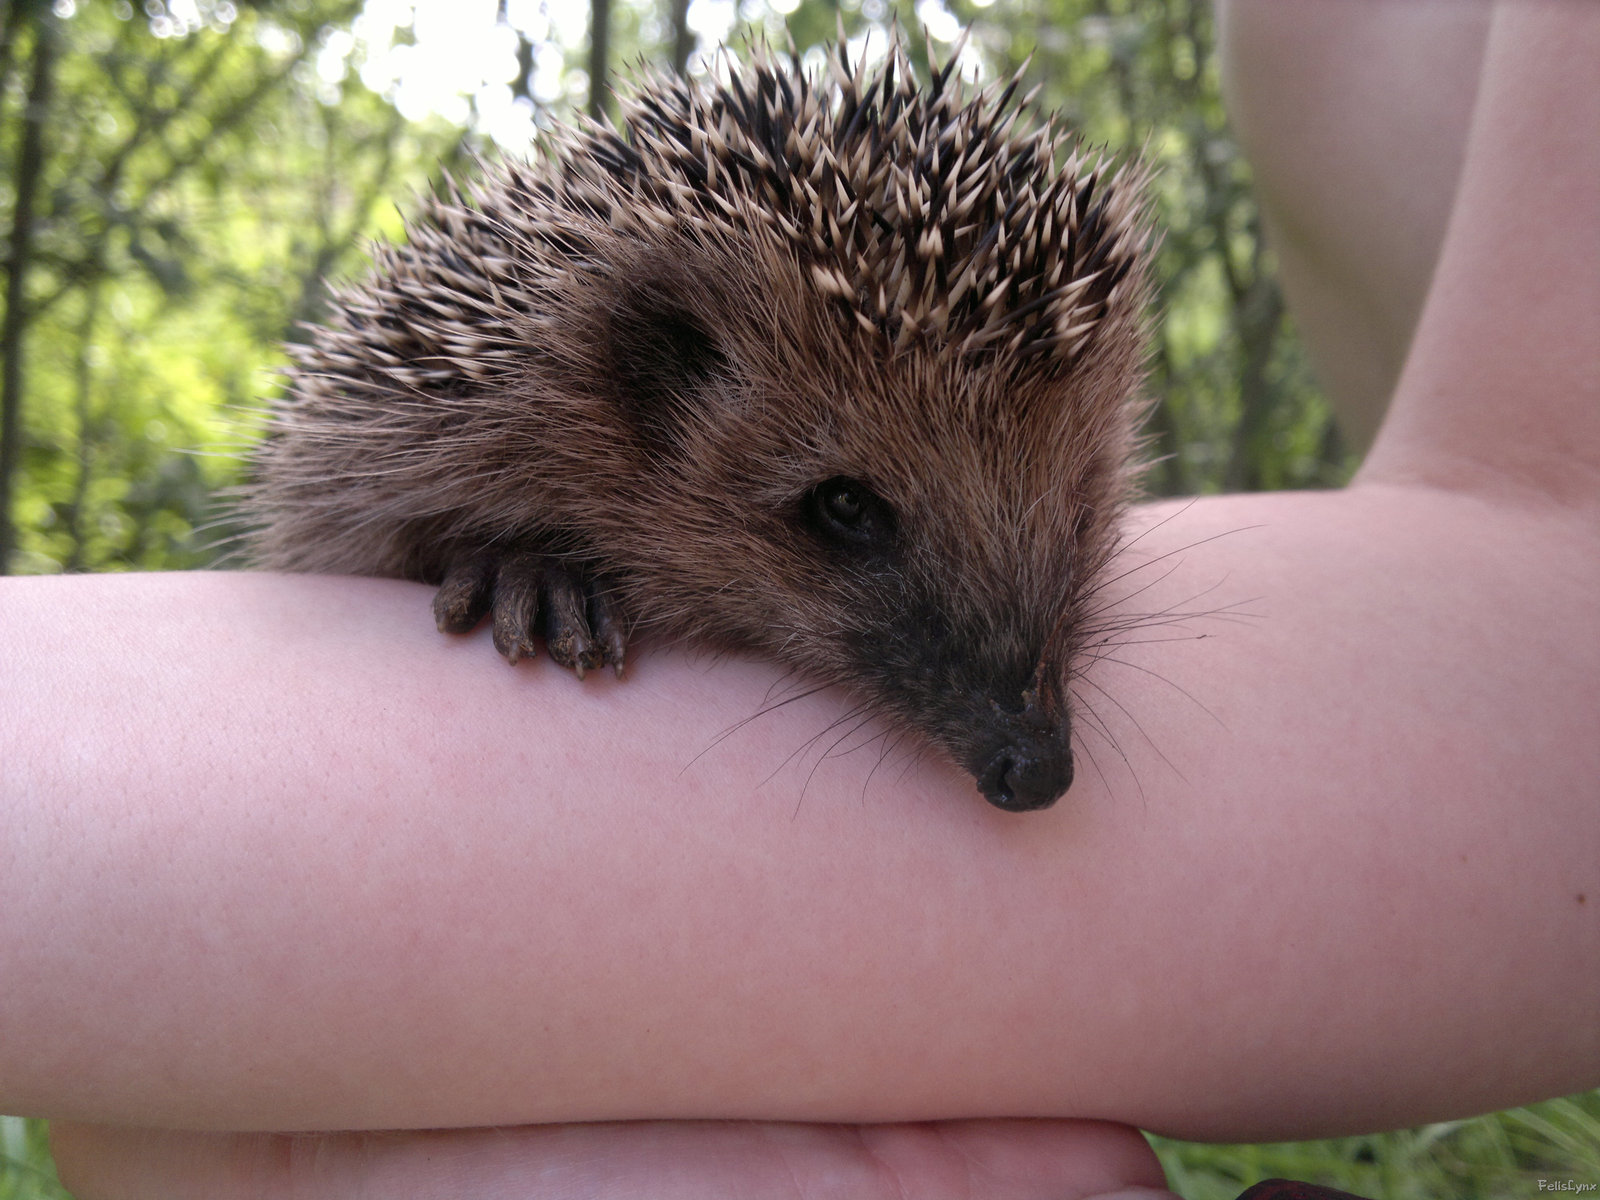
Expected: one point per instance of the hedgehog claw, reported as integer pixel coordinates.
(528, 596)
(607, 624)
(516, 606)
(465, 596)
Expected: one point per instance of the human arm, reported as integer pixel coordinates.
(391, 924)
(1354, 119)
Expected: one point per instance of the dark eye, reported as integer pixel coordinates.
(847, 512)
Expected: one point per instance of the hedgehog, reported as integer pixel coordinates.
(834, 368)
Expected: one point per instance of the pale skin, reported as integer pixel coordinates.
(279, 857)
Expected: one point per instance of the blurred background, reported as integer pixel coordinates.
(179, 177)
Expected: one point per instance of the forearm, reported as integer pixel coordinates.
(1355, 119)
(1501, 390)
(285, 858)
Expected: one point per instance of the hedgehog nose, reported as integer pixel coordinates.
(1030, 772)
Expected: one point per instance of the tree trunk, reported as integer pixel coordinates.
(13, 331)
(83, 403)
(599, 53)
(9, 17)
(522, 85)
(682, 39)
(1259, 319)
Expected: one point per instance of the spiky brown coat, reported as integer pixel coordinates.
(842, 371)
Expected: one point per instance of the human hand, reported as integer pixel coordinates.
(664, 1160)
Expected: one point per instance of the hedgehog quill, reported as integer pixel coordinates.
(841, 370)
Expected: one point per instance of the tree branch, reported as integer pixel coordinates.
(13, 330)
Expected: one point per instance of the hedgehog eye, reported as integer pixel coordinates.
(847, 512)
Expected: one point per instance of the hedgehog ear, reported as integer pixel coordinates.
(662, 357)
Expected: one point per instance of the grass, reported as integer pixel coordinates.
(1503, 1156)
(26, 1172)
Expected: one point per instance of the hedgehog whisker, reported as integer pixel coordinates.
(865, 718)
(1135, 721)
(1098, 726)
(764, 710)
(1182, 691)
(1101, 584)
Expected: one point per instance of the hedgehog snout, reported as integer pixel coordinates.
(991, 694)
(1022, 760)
(1027, 765)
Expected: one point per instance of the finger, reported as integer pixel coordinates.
(664, 1160)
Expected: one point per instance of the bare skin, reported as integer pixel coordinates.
(662, 1160)
(1272, 934)
(1355, 119)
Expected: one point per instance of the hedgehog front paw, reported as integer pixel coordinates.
(533, 595)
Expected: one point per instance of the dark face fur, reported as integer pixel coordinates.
(843, 376)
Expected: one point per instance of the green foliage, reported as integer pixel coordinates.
(26, 1171)
(198, 183)
(1498, 1157)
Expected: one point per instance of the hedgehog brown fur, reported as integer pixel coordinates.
(840, 371)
